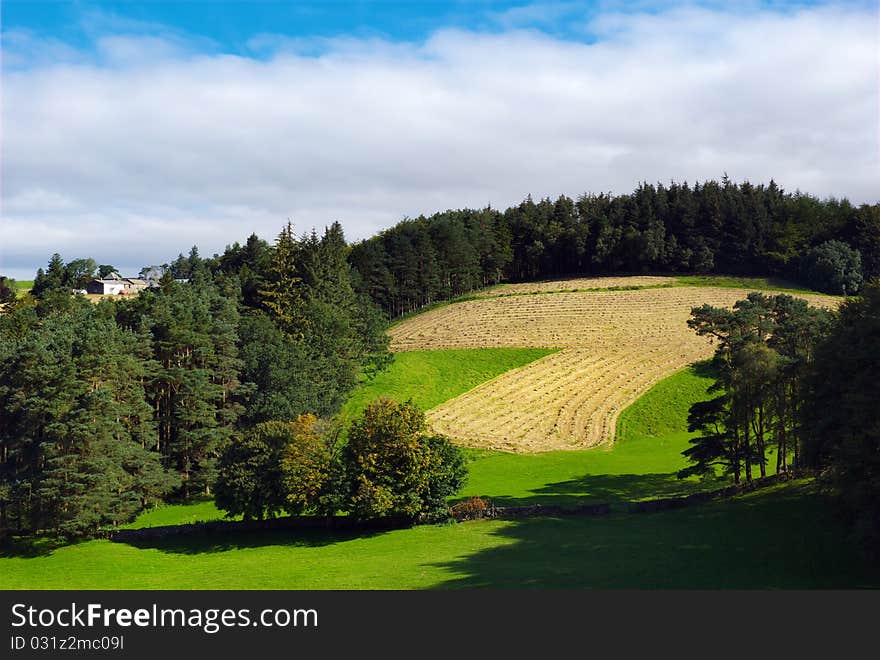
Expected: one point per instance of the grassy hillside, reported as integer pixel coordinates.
(785, 537)
(615, 346)
(641, 464)
(780, 537)
(432, 377)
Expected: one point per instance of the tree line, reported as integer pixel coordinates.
(800, 382)
(109, 408)
(712, 227)
(224, 378)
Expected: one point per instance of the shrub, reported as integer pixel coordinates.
(249, 472)
(469, 509)
(275, 467)
(306, 466)
(7, 289)
(394, 468)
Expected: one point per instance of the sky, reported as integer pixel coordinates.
(132, 130)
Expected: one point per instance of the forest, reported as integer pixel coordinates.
(224, 378)
(712, 227)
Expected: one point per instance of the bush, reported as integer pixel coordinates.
(249, 472)
(275, 467)
(472, 508)
(391, 467)
(446, 475)
(306, 467)
(394, 467)
(7, 290)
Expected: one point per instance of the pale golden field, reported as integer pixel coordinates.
(576, 284)
(616, 345)
(98, 297)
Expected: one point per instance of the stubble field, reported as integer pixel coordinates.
(614, 346)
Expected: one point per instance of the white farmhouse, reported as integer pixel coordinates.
(107, 287)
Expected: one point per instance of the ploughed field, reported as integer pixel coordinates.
(614, 345)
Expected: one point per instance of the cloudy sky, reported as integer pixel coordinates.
(133, 130)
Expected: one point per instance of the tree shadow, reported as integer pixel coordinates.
(608, 488)
(28, 547)
(759, 541)
(704, 369)
(205, 542)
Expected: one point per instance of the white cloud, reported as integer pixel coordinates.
(132, 158)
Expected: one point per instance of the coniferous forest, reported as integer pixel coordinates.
(224, 379)
(111, 407)
(726, 228)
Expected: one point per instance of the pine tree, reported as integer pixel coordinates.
(283, 296)
(76, 426)
(194, 385)
(50, 281)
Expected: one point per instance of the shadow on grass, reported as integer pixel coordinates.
(785, 537)
(212, 542)
(704, 369)
(26, 547)
(609, 488)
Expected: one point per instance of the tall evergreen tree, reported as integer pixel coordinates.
(839, 412)
(194, 385)
(283, 295)
(76, 430)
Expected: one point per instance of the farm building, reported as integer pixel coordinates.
(114, 285)
(106, 287)
(135, 284)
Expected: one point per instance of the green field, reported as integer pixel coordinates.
(783, 537)
(24, 285)
(431, 377)
(641, 464)
(735, 282)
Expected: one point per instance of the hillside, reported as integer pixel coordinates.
(615, 345)
(688, 548)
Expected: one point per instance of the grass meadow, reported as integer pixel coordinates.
(23, 285)
(781, 537)
(774, 284)
(431, 377)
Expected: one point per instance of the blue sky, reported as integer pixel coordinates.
(232, 23)
(133, 130)
(230, 26)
